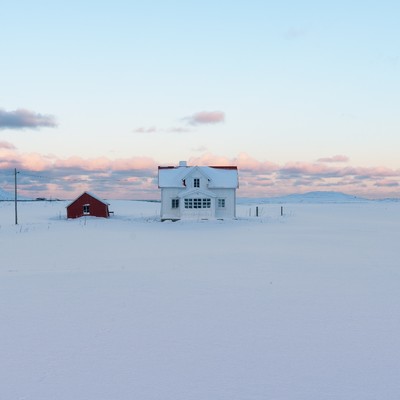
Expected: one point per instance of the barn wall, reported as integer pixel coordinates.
(97, 208)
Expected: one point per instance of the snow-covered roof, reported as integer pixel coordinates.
(91, 195)
(219, 177)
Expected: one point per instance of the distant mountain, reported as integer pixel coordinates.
(310, 197)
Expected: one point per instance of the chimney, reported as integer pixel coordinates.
(182, 163)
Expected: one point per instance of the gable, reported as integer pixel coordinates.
(84, 196)
(217, 177)
(196, 192)
(196, 172)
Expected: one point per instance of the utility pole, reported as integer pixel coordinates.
(15, 196)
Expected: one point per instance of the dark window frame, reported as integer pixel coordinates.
(174, 203)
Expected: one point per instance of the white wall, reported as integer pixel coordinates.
(229, 196)
(167, 212)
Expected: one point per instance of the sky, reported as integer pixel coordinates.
(300, 95)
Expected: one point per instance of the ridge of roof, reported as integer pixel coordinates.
(198, 166)
(224, 166)
(91, 195)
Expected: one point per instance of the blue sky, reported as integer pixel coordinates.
(301, 95)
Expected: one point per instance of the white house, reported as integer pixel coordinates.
(197, 192)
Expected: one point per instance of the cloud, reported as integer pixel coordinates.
(200, 118)
(334, 159)
(243, 161)
(247, 163)
(387, 183)
(200, 149)
(104, 164)
(294, 33)
(205, 117)
(210, 159)
(305, 168)
(6, 145)
(142, 129)
(178, 129)
(136, 177)
(153, 129)
(21, 119)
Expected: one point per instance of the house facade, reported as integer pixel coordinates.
(87, 205)
(193, 192)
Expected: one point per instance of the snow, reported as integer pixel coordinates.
(304, 306)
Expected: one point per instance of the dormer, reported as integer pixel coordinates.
(203, 178)
(196, 178)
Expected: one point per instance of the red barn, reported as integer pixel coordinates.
(87, 205)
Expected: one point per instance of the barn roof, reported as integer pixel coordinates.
(91, 195)
(219, 177)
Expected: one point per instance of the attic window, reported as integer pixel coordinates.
(196, 182)
(86, 209)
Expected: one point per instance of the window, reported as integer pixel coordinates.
(197, 203)
(188, 203)
(221, 203)
(175, 203)
(86, 209)
(206, 203)
(196, 182)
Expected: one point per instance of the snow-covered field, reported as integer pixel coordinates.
(304, 306)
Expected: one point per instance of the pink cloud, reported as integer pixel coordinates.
(178, 129)
(210, 159)
(243, 161)
(335, 159)
(106, 164)
(153, 129)
(306, 168)
(7, 145)
(135, 163)
(136, 177)
(35, 162)
(370, 172)
(387, 183)
(206, 117)
(142, 129)
(200, 149)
